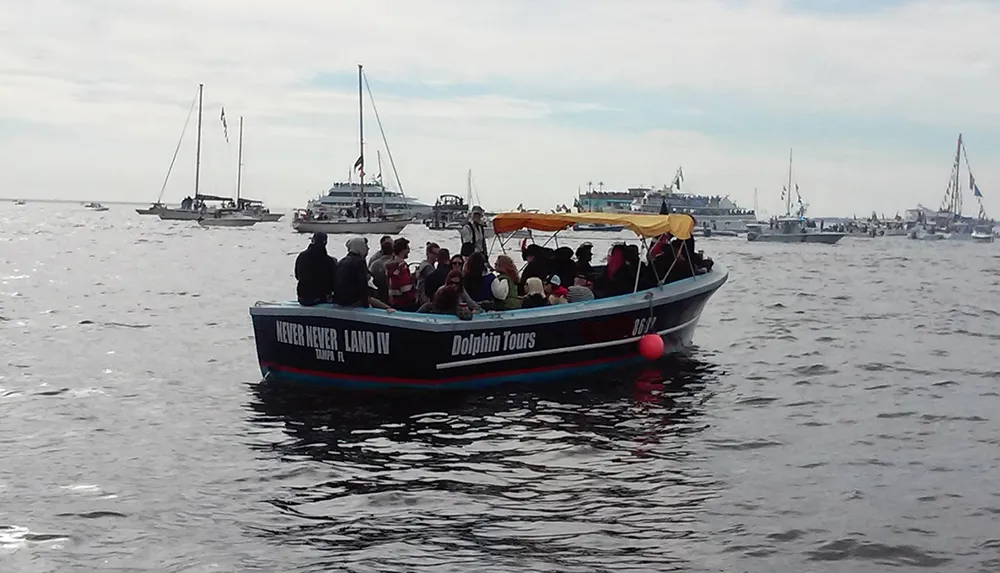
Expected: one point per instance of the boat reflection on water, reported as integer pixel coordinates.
(667, 393)
(583, 472)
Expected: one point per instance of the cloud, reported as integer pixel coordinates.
(536, 97)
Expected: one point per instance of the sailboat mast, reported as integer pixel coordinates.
(361, 134)
(239, 165)
(378, 157)
(197, 157)
(468, 189)
(788, 193)
(956, 200)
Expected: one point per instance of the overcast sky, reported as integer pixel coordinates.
(537, 97)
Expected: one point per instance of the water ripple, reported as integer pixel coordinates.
(836, 415)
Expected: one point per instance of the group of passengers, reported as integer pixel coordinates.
(464, 283)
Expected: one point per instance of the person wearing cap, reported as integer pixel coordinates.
(473, 233)
(315, 271)
(352, 282)
(555, 291)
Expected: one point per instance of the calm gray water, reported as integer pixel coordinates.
(838, 414)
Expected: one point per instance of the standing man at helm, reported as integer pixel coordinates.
(474, 234)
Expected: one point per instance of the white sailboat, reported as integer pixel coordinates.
(307, 221)
(228, 217)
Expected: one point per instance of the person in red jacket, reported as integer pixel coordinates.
(402, 294)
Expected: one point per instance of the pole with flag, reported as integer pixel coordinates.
(225, 127)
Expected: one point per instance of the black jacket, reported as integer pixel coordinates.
(351, 281)
(314, 271)
(436, 280)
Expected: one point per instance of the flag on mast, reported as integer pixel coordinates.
(360, 165)
(225, 127)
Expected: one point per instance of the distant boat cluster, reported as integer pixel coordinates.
(360, 206)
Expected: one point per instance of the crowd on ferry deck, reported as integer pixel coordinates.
(465, 283)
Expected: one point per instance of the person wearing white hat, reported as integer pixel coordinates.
(474, 233)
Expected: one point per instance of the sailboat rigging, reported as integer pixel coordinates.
(328, 215)
(793, 227)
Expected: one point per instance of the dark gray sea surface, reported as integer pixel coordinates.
(839, 413)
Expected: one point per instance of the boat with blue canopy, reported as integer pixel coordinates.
(364, 348)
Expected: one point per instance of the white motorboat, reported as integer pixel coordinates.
(95, 206)
(982, 234)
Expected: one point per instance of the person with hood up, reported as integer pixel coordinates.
(351, 281)
(473, 233)
(315, 272)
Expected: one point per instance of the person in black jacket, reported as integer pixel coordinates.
(352, 282)
(314, 271)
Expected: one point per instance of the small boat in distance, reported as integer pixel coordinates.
(983, 234)
(793, 227)
(350, 348)
(94, 206)
(19, 201)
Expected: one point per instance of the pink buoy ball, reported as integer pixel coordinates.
(651, 346)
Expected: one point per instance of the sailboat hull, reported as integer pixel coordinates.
(825, 238)
(351, 226)
(228, 222)
(168, 214)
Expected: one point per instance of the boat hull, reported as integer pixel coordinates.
(982, 238)
(149, 211)
(228, 222)
(822, 237)
(270, 217)
(168, 214)
(367, 348)
(350, 227)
